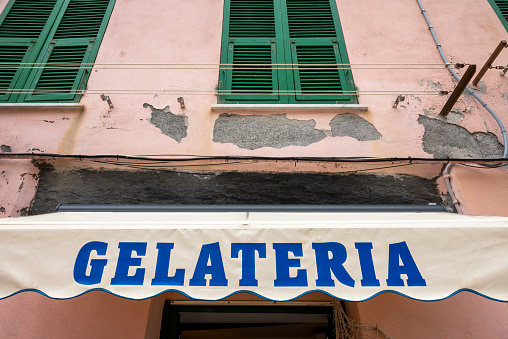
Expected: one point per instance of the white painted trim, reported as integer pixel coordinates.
(37, 106)
(288, 107)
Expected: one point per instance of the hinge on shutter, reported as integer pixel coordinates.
(352, 87)
(336, 47)
(90, 45)
(80, 87)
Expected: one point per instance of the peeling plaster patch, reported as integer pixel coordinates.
(352, 125)
(5, 149)
(172, 125)
(481, 88)
(455, 116)
(256, 131)
(447, 140)
(434, 85)
(429, 111)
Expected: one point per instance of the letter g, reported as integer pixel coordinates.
(97, 265)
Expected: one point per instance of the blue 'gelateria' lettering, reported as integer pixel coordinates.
(162, 267)
(366, 264)
(330, 259)
(248, 260)
(326, 265)
(215, 269)
(96, 265)
(125, 261)
(283, 263)
(414, 278)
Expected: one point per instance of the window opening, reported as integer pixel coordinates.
(193, 322)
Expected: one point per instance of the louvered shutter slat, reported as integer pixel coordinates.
(9, 56)
(252, 76)
(27, 19)
(501, 9)
(268, 46)
(310, 19)
(62, 80)
(82, 19)
(24, 25)
(251, 52)
(316, 76)
(315, 52)
(72, 43)
(252, 19)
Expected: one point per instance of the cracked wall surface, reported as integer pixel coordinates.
(444, 140)
(18, 182)
(256, 131)
(352, 125)
(172, 125)
(154, 187)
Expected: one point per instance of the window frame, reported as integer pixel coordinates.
(287, 75)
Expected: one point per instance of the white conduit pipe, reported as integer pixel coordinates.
(446, 173)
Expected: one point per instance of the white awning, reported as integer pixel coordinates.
(278, 256)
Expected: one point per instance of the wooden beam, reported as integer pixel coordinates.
(489, 62)
(457, 92)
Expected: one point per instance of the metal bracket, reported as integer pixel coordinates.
(106, 98)
(399, 99)
(180, 100)
(503, 72)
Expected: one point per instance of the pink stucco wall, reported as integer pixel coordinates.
(189, 32)
(464, 315)
(92, 315)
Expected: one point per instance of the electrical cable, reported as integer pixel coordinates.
(183, 158)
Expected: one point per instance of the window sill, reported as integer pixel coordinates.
(38, 106)
(289, 107)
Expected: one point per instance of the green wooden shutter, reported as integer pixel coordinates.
(251, 39)
(73, 41)
(315, 48)
(501, 9)
(24, 25)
